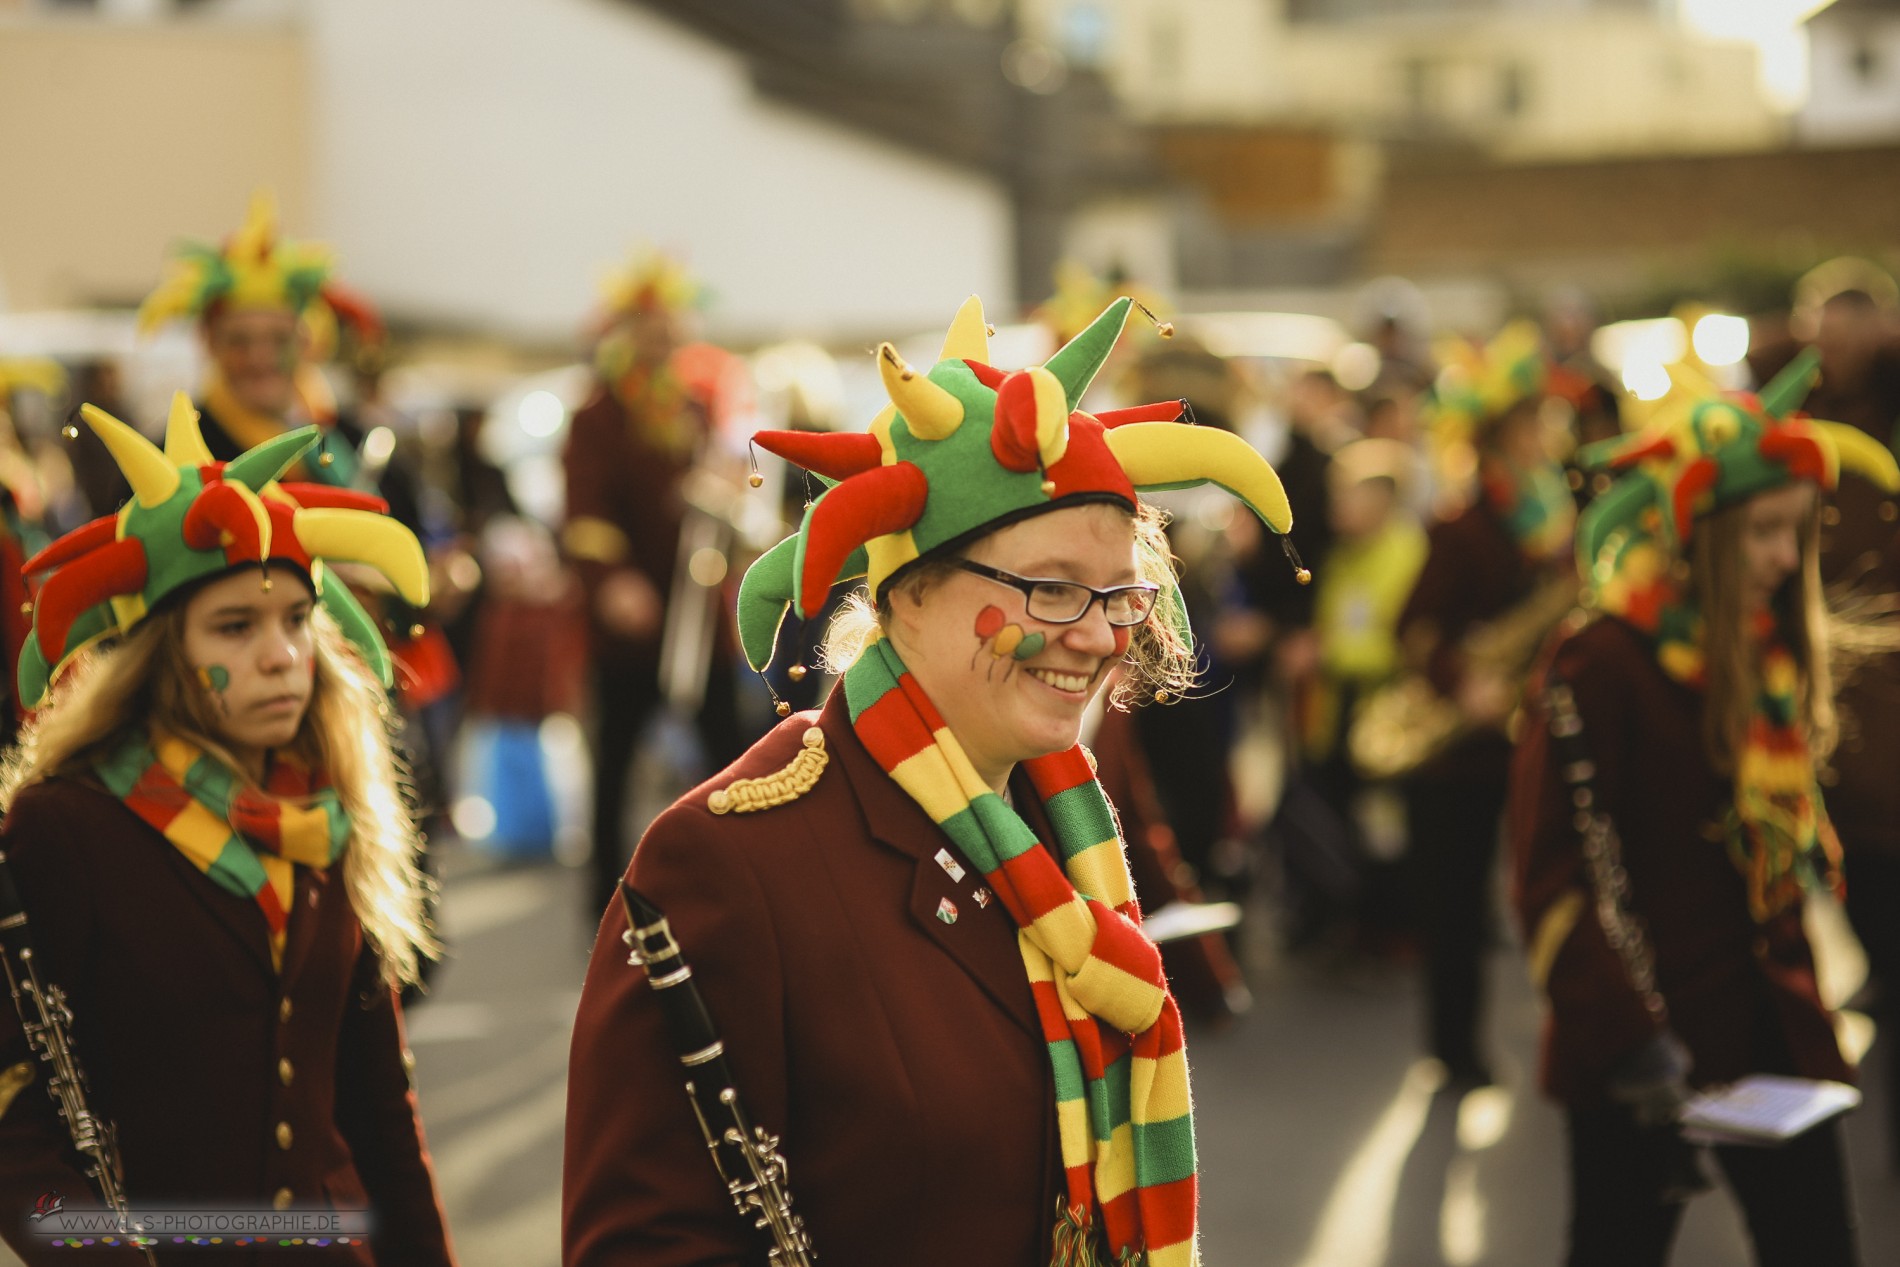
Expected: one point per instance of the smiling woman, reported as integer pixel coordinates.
(909, 912)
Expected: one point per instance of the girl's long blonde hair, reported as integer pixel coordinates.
(348, 732)
(1716, 579)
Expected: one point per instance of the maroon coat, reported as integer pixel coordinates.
(1473, 573)
(899, 1055)
(231, 1084)
(1741, 995)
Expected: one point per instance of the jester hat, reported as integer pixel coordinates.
(966, 448)
(1478, 386)
(1712, 449)
(649, 282)
(191, 518)
(254, 269)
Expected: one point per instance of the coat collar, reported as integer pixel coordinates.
(983, 940)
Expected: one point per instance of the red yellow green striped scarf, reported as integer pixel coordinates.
(1777, 827)
(248, 840)
(1123, 1111)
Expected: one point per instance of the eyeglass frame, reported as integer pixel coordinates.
(1027, 585)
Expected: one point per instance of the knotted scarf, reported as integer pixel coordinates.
(1777, 827)
(1114, 1034)
(246, 839)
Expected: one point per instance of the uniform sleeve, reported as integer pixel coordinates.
(596, 535)
(36, 1154)
(1596, 1015)
(376, 1112)
(638, 1184)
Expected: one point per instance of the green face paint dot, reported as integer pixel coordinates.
(215, 676)
(1030, 645)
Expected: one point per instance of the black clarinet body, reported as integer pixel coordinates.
(743, 1153)
(47, 1020)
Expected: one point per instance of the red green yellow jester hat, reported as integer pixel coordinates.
(966, 448)
(190, 518)
(1711, 449)
(254, 268)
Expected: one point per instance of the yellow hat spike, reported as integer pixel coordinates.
(1052, 416)
(1164, 454)
(1860, 453)
(969, 336)
(153, 479)
(932, 412)
(341, 535)
(259, 231)
(184, 442)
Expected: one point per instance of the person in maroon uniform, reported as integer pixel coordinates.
(1666, 816)
(1490, 565)
(205, 828)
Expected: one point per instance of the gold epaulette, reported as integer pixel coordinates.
(13, 1080)
(797, 777)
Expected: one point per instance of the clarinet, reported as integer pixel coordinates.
(744, 1154)
(47, 1022)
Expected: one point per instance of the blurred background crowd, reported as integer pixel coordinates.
(1401, 246)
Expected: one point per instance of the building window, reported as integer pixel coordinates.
(1513, 89)
(1865, 61)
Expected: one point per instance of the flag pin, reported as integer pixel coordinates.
(949, 864)
(982, 897)
(947, 911)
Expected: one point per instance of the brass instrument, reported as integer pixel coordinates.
(47, 1022)
(744, 1154)
(1406, 723)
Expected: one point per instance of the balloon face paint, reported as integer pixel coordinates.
(1031, 645)
(216, 679)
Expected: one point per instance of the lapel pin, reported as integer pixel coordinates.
(982, 897)
(947, 911)
(950, 865)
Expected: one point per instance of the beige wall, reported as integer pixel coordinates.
(119, 139)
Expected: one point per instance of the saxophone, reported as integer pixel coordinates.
(744, 1154)
(47, 1022)
(1406, 722)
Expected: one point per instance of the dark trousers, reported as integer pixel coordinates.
(1873, 904)
(1626, 1194)
(1452, 826)
(626, 696)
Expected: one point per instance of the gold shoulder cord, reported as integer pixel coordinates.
(14, 1080)
(799, 776)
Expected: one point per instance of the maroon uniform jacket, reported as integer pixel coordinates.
(1473, 573)
(899, 1054)
(231, 1084)
(624, 509)
(1741, 995)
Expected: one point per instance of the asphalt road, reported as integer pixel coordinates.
(1323, 1141)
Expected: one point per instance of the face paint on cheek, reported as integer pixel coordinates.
(216, 679)
(1031, 645)
(1123, 634)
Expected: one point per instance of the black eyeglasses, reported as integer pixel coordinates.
(1056, 602)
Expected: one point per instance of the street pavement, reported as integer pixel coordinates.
(1323, 1139)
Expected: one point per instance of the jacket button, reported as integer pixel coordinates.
(283, 1135)
(282, 1200)
(284, 1071)
(283, 1008)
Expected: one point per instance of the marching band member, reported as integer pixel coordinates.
(628, 453)
(205, 825)
(909, 912)
(1665, 816)
(1489, 564)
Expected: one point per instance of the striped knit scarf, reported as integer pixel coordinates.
(1114, 1033)
(1777, 827)
(247, 840)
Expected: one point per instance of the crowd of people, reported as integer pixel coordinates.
(1361, 649)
